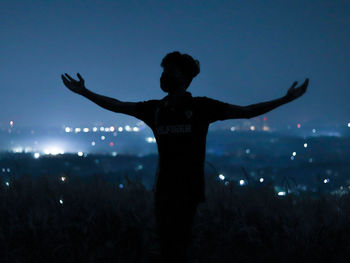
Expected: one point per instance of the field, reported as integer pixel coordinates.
(45, 219)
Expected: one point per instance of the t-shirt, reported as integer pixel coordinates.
(180, 132)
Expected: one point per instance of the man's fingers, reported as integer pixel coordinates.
(70, 78)
(294, 84)
(63, 78)
(65, 81)
(80, 78)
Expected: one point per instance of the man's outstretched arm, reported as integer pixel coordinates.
(103, 101)
(257, 109)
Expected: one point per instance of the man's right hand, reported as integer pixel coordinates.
(73, 85)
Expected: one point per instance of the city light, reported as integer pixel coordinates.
(63, 178)
(17, 149)
(102, 128)
(136, 129)
(261, 180)
(106, 129)
(94, 129)
(326, 180)
(226, 183)
(150, 139)
(313, 130)
(120, 129)
(67, 129)
(36, 155)
(298, 125)
(61, 201)
(53, 151)
(28, 149)
(93, 143)
(7, 184)
(241, 182)
(305, 145)
(86, 129)
(222, 177)
(127, 128)
(349, 124)
(233, 128)
(112, 129)
(292, 158)
(121, 186)
(103, 137)
(11, 123)
(266, 128)
(281, 193)
(294, 153)
(114, 154)
(80, 153)
(252, 127)
(247, 151)
(111, 144)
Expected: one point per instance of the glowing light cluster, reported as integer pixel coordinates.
(326, 181)
(222, 177)
(53, 151)
(151, 139)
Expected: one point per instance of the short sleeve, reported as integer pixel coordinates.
(145, 111)
(212, 110)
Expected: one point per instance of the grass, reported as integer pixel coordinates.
(100, 222)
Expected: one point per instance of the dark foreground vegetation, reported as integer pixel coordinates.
(97, 221)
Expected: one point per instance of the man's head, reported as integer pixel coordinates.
(178, 72)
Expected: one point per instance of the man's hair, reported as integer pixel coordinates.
(189, 66)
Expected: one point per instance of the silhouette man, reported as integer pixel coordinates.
(180, 124)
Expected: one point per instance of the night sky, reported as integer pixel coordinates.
(249, 52)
